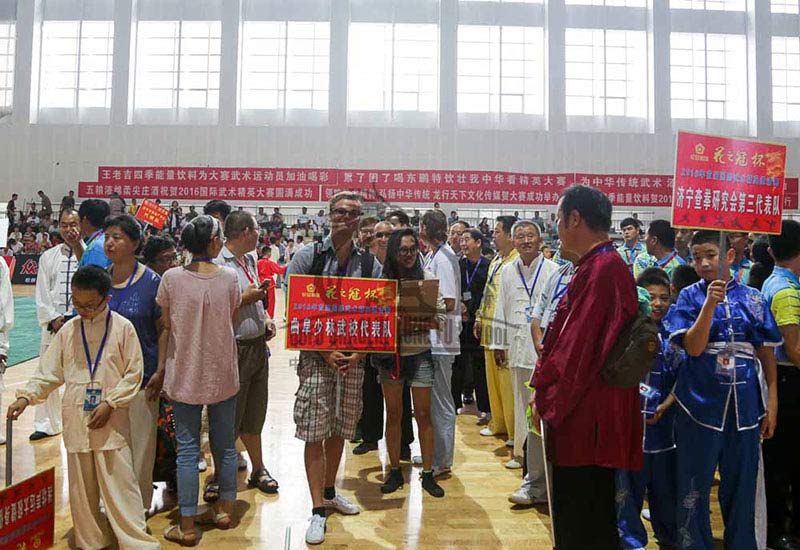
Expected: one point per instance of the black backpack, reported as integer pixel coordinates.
(318, 264)
(633, 354)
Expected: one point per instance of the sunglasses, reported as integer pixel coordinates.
(382, 235)
(345, 213)
(408, 251)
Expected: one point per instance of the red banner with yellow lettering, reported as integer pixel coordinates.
(728, 184)
(348, 314)
(27, 513)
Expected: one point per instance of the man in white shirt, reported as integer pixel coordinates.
(6, 321)
(445, 344)
(521, 284)
(53, 306)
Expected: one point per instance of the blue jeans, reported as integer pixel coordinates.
(223, 447)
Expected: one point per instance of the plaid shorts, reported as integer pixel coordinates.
(326, 403)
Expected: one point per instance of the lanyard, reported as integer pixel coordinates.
(243, 265)
(429, 259)
(130, 279)
(93, 367)
(198, 259)
(739, 274)
(530, 291)
(662, 263)
(471, 277)
(496, 269)
(559, 291)
(94, 236)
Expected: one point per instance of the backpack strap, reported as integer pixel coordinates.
(318, 263)
(367, 264)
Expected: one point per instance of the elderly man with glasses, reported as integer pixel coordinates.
(328, 404)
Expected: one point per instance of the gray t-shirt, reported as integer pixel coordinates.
(252, 319)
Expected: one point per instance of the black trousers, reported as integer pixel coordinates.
(781, 466)
(371, 422)
(469, 372)
(584, 509)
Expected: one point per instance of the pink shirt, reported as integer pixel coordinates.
(202, 365)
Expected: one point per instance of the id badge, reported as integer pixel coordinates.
(466, 296)
(93, 398)
(529, 313)
(648, 392)
(726, 364)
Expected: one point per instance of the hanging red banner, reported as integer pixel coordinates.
(349, 314)
(728, 184)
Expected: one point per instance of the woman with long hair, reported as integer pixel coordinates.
(200, 361)
(413, 365)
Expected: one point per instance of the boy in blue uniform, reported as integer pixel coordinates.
(658, 475)
(726, 329)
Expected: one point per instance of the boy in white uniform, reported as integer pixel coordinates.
(6, 321)
(98, 358)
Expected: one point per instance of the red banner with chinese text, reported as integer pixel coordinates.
(349, 314)
(728, 184)
(27, 512)
(403, 186)
(152, 213)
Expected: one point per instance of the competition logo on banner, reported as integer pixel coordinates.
(152, 213)
(728, 184)
(27, 513)
(349, 314)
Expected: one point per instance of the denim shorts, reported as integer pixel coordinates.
(415, 370)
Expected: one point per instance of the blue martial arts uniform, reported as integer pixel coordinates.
(721, 407)
(657, 478)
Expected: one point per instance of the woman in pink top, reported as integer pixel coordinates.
(198, 353)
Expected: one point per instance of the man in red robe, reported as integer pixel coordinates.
(593, 428)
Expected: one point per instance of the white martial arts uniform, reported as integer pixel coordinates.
(6, 313)
(99, 462)
(53, 299)
(512, 331)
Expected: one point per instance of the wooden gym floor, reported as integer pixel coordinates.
(475, 512)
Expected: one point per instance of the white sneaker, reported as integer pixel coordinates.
(341, 504)
(486, 432)
(241, 462)
(202, 465)
(520, 497)
(646, 514)
(513, 464)
(315, 534)
(509, 443)
(2, 440)
(416, 460)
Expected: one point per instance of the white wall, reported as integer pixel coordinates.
(56, 157)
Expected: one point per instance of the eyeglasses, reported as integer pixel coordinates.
(167, 258)
(404, 251)
(382, 235)
(88, 308)
(345, 213)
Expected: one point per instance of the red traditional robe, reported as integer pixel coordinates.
(267, 269)
(590, 422)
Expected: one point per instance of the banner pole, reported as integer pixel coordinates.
(548, 485)
(722, 252)
(9, 450)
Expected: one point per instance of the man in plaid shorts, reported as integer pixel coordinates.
(328, 402)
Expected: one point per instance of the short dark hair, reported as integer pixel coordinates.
(198, 233)
(367, 220)
(786, 245)
(128, 224)
(630, 221)
(663, 231)
(593, 206)
(217, 207)
(461, 222)
(435, 223)
(682, 276)
(237, 222)
(476, 235)
(92, 277)
(95, 210)
(507, 222)
(155, 246)
(707, 236)
(653, 276)
(401, 216)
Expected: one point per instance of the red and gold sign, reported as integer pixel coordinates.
(349, 314)
(152, 213)
(27, 513)
(728, 184)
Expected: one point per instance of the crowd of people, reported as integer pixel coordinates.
(174, 329)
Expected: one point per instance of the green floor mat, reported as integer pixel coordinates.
(26, 336)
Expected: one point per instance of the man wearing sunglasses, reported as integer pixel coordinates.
(328, 404)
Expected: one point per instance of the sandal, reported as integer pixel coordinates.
(174, 534)
(211, 491)
(222, 520)
(264, 481)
